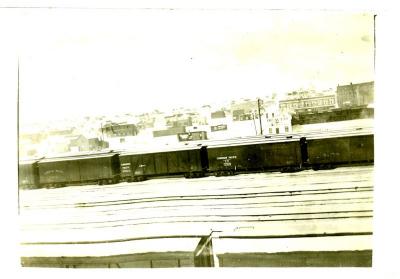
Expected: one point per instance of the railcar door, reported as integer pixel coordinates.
(250, 158)
(147, 166)
(136, 165)
(92, 169)
(203, 158)
(185, 161)
(174, 164)
(281, 154)
(304, 150)
(73, 173)
(161, 163)
(116, 167)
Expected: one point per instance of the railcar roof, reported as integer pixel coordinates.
(161, 149)
(78, 157)
(28, 162)
(338, 134)
(251, 142)
(365, 130)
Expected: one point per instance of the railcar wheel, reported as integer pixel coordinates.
(316, 167)
(330, 166)
(290, 169)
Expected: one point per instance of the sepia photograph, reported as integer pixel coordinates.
(185, 138)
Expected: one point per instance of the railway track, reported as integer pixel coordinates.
(263, 205)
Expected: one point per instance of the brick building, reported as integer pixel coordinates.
(297, 102)
(119, 129)
(353, 95)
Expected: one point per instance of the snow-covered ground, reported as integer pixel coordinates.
(82, 220)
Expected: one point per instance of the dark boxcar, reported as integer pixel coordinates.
(340, 148)
(28, 174)
(362, 148)
(281, 154)
(143, 260)
(254, 154)
(182, 160)
(361, 258)
(102, 168)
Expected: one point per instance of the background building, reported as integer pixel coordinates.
(296, 111)
(360, 94)
(274, 119)
(308, 101)
(119, 129)
(119, 135)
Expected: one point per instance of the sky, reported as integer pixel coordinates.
(95, 62)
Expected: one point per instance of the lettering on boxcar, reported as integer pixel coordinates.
(226, 160)
(126, 167)
(227, 157)
(50, 172)
(140, 169)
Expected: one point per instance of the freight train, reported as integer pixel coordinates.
(284, 153)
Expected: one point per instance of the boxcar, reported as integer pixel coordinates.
(28, 174)
(189, 161)
(143, 260)
(101, 168)
(278, 153)
(329, 150)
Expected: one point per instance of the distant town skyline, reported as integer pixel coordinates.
(110, 62)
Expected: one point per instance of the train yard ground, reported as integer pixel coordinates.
(308, 218)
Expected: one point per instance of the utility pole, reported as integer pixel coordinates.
(259, 115)
(102, 134)
(253, 115)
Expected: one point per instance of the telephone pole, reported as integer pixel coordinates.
(259, 116)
